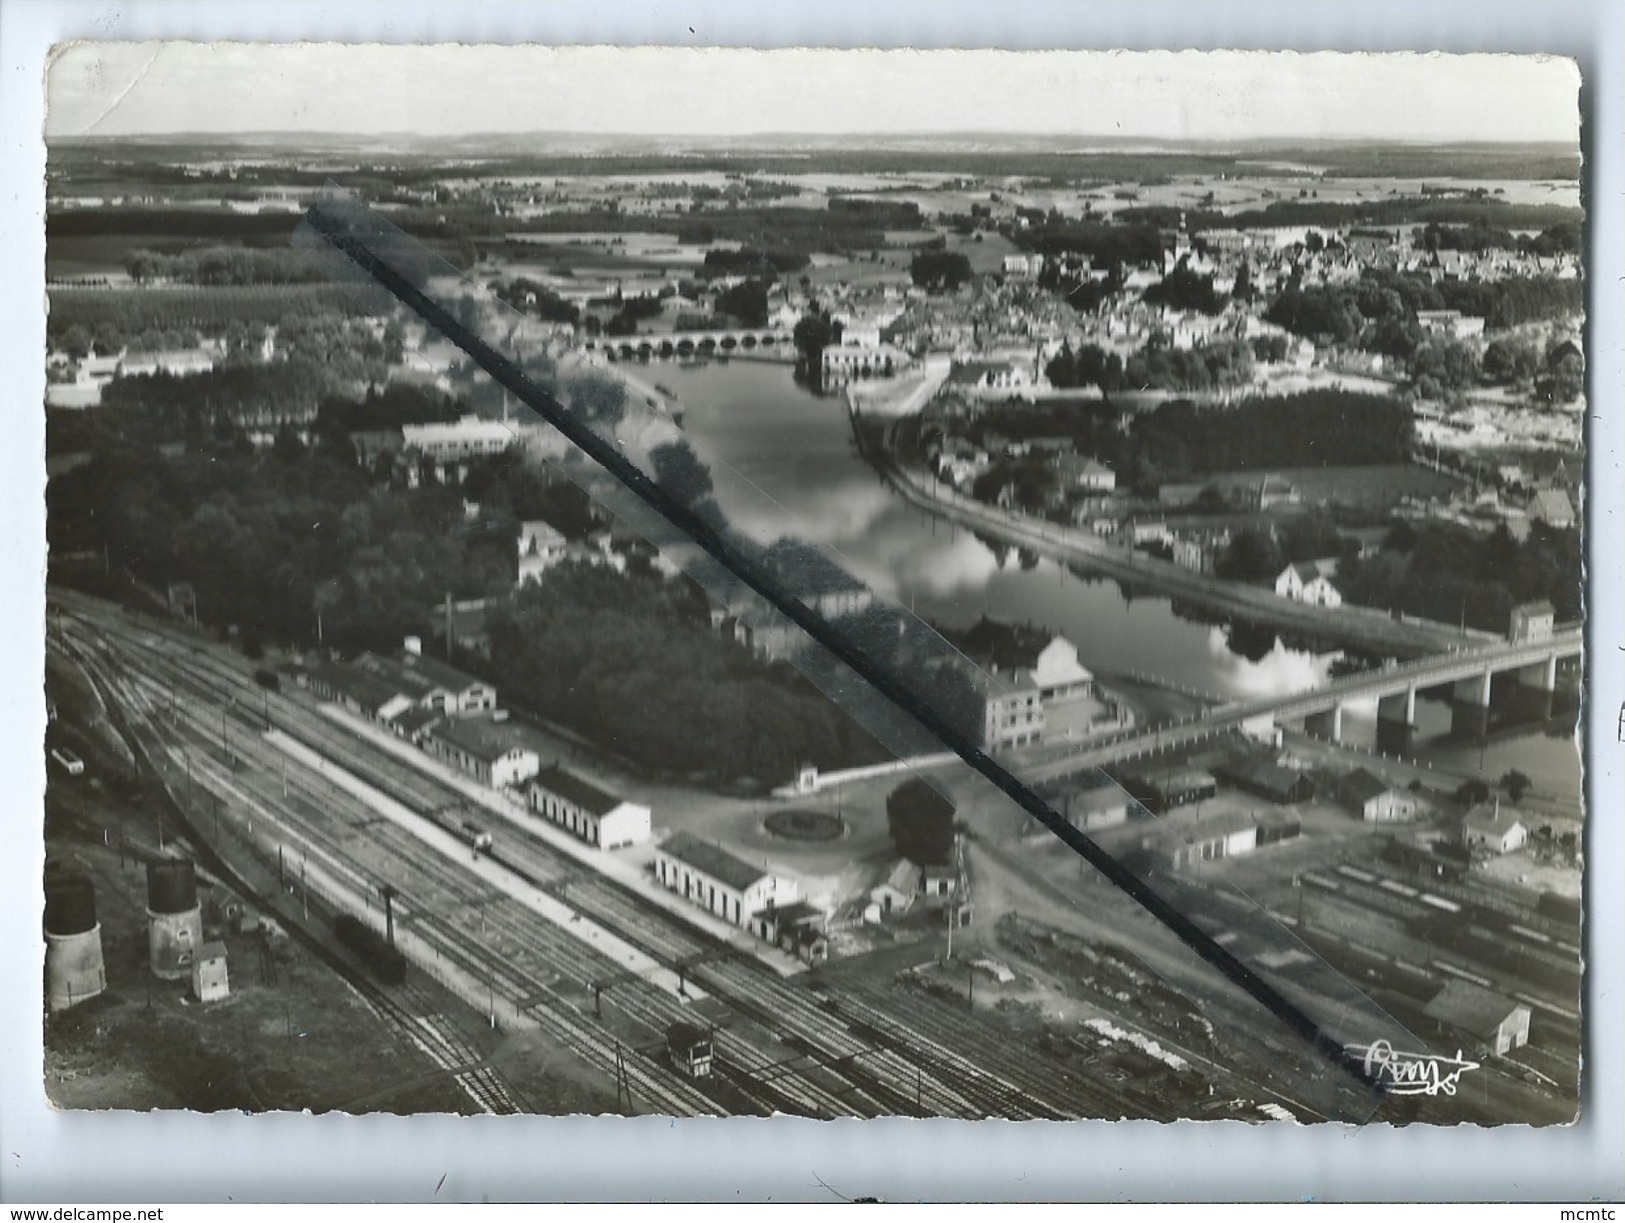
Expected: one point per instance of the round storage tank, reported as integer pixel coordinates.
(70, 903)
(171, 886)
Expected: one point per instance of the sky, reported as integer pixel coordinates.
(113, 89)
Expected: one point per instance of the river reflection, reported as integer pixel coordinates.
(797, 448)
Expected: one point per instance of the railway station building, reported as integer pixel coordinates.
(484, 748)
(362, 693)
(714, 879)
(428, 682)
(598, 817)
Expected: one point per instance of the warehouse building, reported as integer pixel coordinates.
(1269, 780)
(712, 878)
(1375, 801)
(598, 817)
(1224, 836)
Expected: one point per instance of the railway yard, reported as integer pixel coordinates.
(536, 945)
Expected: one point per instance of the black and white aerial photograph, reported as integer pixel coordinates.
(816, 583)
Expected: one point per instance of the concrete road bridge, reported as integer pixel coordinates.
(1468, 672)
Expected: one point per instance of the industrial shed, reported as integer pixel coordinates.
(1467, 1010)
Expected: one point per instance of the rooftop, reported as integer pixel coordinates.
(1493, 818)
(577, 790)
(415, 674)
(481, 738)
(712, 860)
(1361, 786)
(1471, 1008)
(367, 690)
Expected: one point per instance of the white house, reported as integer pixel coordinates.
(1014, 712)
(898, 891)
(467, 438)
(1375, 800)
(541, 546)
(712, 878)
(484, 748)
(1532, 622)
(1307, 582)
(1495, 828)
(596, 816)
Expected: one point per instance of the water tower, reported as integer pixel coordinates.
(73, 941)
(174, 918)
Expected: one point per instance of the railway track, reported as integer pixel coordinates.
(783, 1052)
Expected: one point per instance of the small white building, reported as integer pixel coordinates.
(714, 879)
(484, 748)
(1376, 801)
(898, 891)
(210, 981)
(1308, 583)
(1495, 828)
(1532, 622)
(598, 817)
(541, 546)
(1465, 1009)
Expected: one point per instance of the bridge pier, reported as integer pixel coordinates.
(1328, 725)
(1470, 707)
(1532, 698)
(1396, 721)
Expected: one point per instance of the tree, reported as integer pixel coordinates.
(681, 472)
(941, 271)
(745, 301)
(1472, 792)
(921, 823)
(1509, 361)
(813, 333)
(1516, 784)
(1254, 556)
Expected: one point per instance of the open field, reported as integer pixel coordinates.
(1368, 488)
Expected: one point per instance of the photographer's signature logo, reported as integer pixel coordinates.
(1410, 1074)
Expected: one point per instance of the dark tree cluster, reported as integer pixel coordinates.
(634, 666)
(1451, 573)
(940, 271)
(225, 265)
(1183, 289)
(921, 823)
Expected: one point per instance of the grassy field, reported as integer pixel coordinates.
(1374, 488)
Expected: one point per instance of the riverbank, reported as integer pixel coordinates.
(1360, 628)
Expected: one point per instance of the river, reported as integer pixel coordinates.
(797, 448)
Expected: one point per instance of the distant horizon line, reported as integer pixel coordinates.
(1287, 142)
